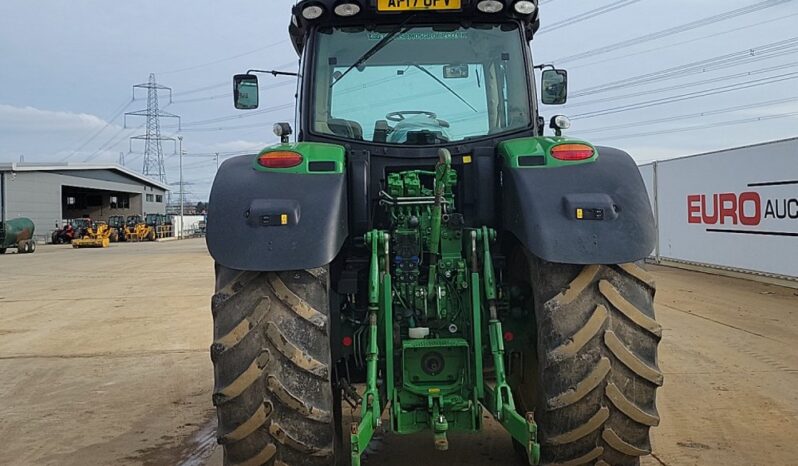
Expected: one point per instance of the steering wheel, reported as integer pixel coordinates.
(400, 116)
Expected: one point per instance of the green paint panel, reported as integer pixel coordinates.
(315, 156)
(536, 152)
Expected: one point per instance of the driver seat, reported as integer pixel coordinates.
(381, 131)
(346, 128)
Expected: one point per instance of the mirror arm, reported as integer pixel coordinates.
(543, 67)
(275, 73)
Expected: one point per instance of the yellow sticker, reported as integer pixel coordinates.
(466, 159)
(284, 219)
(580, 214)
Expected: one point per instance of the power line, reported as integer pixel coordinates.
(223, 83)
(224, 59)
(719, 111)
(189, 125)
(706, 126)
(112, 142)
(675, 44)
(688, 96)
(108, 123)
(672, 31)
(230, 94)
(115, 140)
(674, 87)
(771, 50)
(587, 15)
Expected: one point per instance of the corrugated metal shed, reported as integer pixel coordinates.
(49, 193)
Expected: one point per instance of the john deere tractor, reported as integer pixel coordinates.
(422, 250)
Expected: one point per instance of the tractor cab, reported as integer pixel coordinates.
(412, 74)
(132, 220)
(155, 220)
(116, 222)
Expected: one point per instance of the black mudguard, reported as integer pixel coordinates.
(244, 230)
(539, 208)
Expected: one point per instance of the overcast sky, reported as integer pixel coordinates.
(67, 70)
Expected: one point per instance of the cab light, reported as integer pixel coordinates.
(572, 152)
(525, 7)
(490, 6)
(312, 12)
(347, 9)
(280, 159)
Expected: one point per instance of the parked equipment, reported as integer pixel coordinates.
(117, 225)
(137, 230)
(72, 229)
(424, 238)
(161, 224)
(98, 236)
(17, 233)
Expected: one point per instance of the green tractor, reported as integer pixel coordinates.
(422, 251)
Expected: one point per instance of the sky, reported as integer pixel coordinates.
(657, 79)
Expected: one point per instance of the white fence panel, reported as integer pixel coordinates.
(736, 208)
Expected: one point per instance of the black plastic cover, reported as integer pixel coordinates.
(247, 231)
(542, 206)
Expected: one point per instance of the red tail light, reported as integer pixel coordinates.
(280, 159)
(572, 152)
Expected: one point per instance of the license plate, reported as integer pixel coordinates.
(418, 5)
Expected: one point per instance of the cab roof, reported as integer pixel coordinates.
(369, 15)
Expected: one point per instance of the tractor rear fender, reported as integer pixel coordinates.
(271, 219)
(595, 211)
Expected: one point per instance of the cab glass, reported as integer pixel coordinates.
(425, 85)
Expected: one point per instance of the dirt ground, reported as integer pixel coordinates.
(103, 360)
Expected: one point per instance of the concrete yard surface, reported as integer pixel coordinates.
(104, 360)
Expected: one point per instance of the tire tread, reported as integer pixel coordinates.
(598, 374)
(271, 354)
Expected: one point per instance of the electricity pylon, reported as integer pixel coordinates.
(153, 149)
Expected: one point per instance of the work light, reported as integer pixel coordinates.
(490, 6)
(525, 7)
(312, 12)
(347, 9)
(560, 122)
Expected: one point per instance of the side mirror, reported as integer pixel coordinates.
(554, 84)
(245, 91)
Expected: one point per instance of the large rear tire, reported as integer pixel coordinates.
(592, 376)
(271, 356)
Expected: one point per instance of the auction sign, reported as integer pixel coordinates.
(736, 208)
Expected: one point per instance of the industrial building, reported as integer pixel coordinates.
(50, 193)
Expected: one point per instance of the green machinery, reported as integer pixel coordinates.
(17, 233)
(424, 252)
(434, 375)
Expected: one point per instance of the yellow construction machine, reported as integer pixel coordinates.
(97, 236)
(138, 230)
